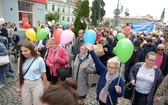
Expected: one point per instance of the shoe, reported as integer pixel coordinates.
(1, 86)
(11, 71)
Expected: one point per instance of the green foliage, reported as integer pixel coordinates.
(77, 8)
(106, 23)
(97, 11)
(83, 11)
(52, 16)
(127, 14)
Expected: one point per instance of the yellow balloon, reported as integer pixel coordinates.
(53, 21)
(31, 34)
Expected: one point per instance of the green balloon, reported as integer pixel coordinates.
(115, 50)
(124, 50)
(41, 34)
(120, 36)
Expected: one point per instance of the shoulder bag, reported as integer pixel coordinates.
(29, 67)
(4, 60)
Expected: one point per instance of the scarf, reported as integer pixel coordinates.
(82, 56)
(109, 79)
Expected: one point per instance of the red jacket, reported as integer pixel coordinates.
(62, 60)
(98, 35)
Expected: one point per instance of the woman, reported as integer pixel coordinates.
(64, 93)
(31, 68)
(145, 77)
(110, 85)
(82, 66)
(44, 53)
(57, 58)
(107, 50)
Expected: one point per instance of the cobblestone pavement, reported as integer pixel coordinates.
(8, 94)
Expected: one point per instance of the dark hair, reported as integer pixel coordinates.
(64, 93)
(31, 47)
(149, 40)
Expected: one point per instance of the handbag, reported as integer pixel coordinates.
(64, 73)
(128, 91)
(92, 78)
(98, 49)
(4, 60)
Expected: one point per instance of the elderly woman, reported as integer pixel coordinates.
(110, 85)
(83, 65)
(107, 50)
(145, 77)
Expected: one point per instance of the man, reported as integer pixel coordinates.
(137, 56)
(163, 88)
(162, 59)
(78, 42)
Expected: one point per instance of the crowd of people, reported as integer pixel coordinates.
(39, 83)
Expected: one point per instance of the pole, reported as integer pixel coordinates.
(99, 13)
(117, 13)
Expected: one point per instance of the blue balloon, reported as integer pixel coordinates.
(90, 37)
(66, 25)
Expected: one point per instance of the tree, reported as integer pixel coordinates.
(106, 23)
(127, 14)
(97, 11)
(83, 11)
(52, 16)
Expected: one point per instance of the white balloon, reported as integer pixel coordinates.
(2, 21)
(49, 23)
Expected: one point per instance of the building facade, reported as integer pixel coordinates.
(17, 11)
(64, 7)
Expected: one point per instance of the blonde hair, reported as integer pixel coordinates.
(51, 40)
(114, 60)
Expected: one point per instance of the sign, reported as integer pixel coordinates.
(142, 26)
(40, 1)
(25, 17)
(116, 11)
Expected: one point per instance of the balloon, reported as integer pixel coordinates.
(57, 34)
(89, 37)
(53, 21)
(69, 25)
(114, 50)
(2, 21)
(127, 29)
(31, 34)
(41, 34)
(49, 23)
(26, 25)
(124, 50)
(66, 36)
(66, 25)
(120, 36)
(114, 33)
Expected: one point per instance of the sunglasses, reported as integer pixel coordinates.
(160, 49)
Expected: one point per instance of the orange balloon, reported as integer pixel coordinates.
(127, 29)
(26, 25)
(57, 34)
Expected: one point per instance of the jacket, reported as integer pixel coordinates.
(102, 71)
(62, 60)
(3, 51)
(157, 81)
(80, 75)
(163, 88)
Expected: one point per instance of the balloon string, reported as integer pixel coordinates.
(122, 65)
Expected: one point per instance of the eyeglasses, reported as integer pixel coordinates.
(111, 67)
(80, 33)
(151, 60)
(160, 49)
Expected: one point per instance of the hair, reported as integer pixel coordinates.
(52, 39)
(64, 93)
(114, 60)
(31, 47)
(150, 53)
(103, 38)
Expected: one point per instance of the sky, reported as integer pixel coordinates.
(138, 7)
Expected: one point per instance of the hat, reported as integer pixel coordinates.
(137, 43)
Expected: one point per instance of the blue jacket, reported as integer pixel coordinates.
(102, 70)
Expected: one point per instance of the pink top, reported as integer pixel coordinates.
(62, 61)
(102, 96)
(159, 60)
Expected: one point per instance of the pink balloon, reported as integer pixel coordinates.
(66, 36)
(114, 33)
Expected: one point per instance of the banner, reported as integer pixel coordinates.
(142, 26)
(40, 1)
(25, 17)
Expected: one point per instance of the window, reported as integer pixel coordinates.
(58, 9)
(46, 7)
(53, 8)
(63, 10)
(72, 19)
(69, 10)
(63, 18)
(68, 19)
(25, 6)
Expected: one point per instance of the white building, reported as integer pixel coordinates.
(64, 7)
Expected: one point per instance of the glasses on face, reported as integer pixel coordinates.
(151, 60)
(111, 67)
(160, 49)
(80, 33)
